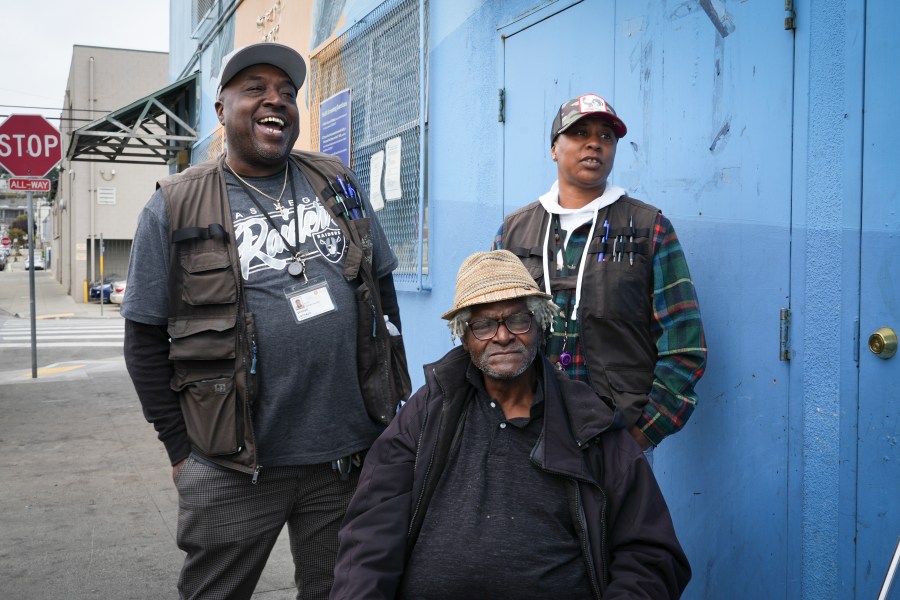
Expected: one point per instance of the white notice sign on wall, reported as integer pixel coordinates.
(392, 156)
(376, 166)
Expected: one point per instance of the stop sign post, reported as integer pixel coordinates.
(29, 145)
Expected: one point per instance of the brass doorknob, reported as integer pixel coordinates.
(883, 343)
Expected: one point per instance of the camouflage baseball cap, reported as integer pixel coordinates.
(576, 109)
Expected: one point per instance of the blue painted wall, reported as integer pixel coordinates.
(762, 480)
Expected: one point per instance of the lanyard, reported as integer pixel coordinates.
(565, 358)
(298, 264)
(581, 265)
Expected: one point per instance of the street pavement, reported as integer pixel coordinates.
(88, 509)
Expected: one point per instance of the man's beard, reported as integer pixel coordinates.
(483, 363)
(272, 154)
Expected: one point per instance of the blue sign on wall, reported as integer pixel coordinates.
(334, 126)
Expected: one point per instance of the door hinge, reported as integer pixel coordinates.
(790, 19)
(501, 115)
(784, 337)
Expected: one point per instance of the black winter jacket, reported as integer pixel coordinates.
(629, 542)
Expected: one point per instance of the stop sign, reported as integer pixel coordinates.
(29, 145)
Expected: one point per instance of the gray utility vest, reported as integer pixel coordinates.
(213, 334)
(614, 315)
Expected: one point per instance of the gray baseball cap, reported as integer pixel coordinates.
(264, 53)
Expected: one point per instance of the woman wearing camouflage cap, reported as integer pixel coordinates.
(629, 321)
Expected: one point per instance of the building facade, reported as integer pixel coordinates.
(101, 200)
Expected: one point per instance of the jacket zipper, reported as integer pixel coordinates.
(585, 542)
(250, 372)
(258, 468)
(430, 462)
(582, 525)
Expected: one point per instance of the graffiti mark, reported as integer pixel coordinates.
(722, 23)
(723, 133)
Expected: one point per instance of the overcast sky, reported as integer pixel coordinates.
(37, 38)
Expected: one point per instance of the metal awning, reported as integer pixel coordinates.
(152, 130)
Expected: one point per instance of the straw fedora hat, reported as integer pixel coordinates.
(493, 276)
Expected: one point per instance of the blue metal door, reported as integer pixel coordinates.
(706, 90)
(878, 459)
(545, 65)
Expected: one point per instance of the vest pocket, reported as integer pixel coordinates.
(630, 388)
(380, 361)
(202, 338)
(203, 280)
(371, 357)
(210, 415)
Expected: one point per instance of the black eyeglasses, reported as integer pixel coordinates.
(485, 329)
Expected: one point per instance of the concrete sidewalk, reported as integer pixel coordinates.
(88, 509)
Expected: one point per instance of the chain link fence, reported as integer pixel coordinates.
(209, 147)
(380, 59)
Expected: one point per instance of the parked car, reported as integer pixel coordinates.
(118, 292)
(3, 255)
(96, 288)
(38, 263)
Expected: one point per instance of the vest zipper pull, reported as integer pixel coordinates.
(253, 361)
(256, 475)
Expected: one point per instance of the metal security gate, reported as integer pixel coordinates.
(115, 258)
(381, 60)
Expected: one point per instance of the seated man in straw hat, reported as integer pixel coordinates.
(501, 478)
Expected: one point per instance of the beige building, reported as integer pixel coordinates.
(101, 195)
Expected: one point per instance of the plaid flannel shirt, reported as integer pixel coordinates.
(675, 324)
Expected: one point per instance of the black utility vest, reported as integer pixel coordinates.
(213, 334)
(615, 311)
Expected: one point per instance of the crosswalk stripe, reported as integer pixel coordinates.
(86, 344)
(44, 336)
(68, 333)
(58, 332)
(62, 326)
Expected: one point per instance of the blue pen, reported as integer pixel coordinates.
(605, 237)
(353, 213)
(353, 210)
(343, 186)
(353, 194)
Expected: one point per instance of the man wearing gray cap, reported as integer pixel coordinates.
(253, 293)
(503, 478)
(629, 321)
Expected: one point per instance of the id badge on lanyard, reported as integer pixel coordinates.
(309, 299)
